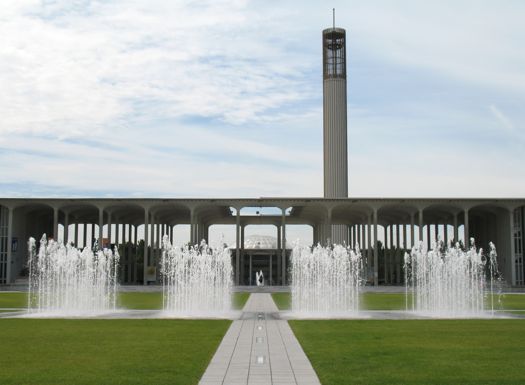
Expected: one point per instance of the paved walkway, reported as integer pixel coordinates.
(259, 349)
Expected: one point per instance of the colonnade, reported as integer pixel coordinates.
(404, 223)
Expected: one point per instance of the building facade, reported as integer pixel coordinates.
(400, 223)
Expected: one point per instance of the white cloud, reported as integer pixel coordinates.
(223, 98)
(72, 69)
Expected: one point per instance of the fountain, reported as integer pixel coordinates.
(449, 282)
(325, 280)
(64, 280)
(197, 280)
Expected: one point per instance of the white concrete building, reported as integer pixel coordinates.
(401, 222)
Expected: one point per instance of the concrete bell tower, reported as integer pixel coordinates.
(334, 122)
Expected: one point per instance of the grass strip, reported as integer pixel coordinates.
(85, 352)
(376, 352)
(134, 300)
(396, 301)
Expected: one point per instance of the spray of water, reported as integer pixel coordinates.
(325, 280)
(66, 280)
(449, 282)
(197, 279)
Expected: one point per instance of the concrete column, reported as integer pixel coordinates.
(135, 272)
(376, 251)
(369, 244)
(512, 249)
(93, 235)
(329, 229)
(283, 245)
(250, 271)
(242, 236)
(391, 256)
(397, 255)
(84, 235)
(436, 232)
(199, 232)
(66, 228)
(445, 233)
(157, 243)
(466, 231)
(362, 237)
(278, 256)
(76, 233)
(154, 233)
(387, 246)
(207, 232)
(271, 271)
(412, 230)
(193, 226)
(55, 224)
(456, 232)
(237, 246)
(241, 277)
(405, 245)
(428, 237)
(146, 238)
(126, 249)
(420, 224)
(9, 260)
(100, 228)
(110, 225)
(117, 232)
(386, 251)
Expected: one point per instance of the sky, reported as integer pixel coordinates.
(224, 98)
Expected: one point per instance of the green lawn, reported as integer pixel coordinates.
(137, 300)
(415, 352)
(396, 301)
(369, 301)
(282, 300)
(46, 351)
(383, 301)
(13, 299)
(239, 300)
(130, 300)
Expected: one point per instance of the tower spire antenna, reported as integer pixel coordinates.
(333, 17)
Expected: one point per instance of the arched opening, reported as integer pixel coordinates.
(220, 234)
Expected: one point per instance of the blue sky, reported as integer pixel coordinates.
(224, 98)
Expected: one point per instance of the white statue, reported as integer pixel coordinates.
(259, 278)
